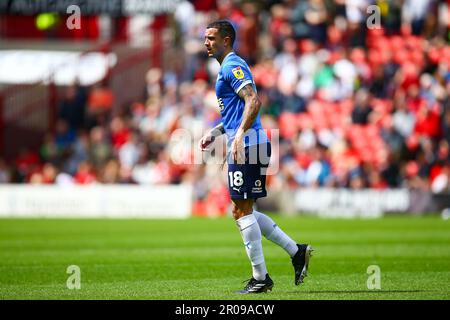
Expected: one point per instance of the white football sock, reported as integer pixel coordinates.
(251, 234)
(272, 232)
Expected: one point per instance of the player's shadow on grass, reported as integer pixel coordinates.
(365, 291)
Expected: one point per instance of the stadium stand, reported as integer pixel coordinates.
(356, 107)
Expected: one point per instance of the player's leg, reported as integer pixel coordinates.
(299, 253)
(272, 232)
(242, 208)
(251, 236)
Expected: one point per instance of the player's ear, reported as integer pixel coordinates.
(227, 41)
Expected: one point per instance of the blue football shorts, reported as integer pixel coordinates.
(248, 180)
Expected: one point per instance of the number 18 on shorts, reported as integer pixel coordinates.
(248, 181)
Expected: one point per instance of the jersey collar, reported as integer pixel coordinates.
(223, 61)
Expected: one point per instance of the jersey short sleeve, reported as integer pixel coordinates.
(238, 76)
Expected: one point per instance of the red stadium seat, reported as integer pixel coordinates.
(288, 125)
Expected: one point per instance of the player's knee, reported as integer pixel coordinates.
(237, 213)
(241, 210)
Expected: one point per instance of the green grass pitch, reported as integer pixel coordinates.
(202, 258)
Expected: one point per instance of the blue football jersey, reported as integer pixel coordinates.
(234, 74)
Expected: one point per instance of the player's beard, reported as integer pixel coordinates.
(219, 54)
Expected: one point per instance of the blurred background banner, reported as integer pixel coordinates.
(90, 7)
(358, 90)
(95, 202)
(352, 203)
(31, 66)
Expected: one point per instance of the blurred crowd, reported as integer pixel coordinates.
(359, 94)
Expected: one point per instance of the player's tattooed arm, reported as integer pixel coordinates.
(251, 109)
(252, 106)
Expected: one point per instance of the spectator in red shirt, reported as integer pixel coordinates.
(428, 123)
(120, 133)
(26, 163)
(85, 174)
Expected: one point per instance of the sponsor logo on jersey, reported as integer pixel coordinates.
(238, 73)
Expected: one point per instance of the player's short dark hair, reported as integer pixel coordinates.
(225, 29)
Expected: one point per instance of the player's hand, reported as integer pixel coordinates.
(206, 141)
(237, 149)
